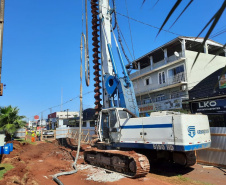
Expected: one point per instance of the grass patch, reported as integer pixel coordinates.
(4, 168)
(47, 141)
(26, 141)
(185, 179)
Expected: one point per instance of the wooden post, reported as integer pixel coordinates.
(54, 134)
(41, 135)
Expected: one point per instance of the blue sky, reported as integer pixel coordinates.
(41, 54)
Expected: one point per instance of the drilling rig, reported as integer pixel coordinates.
(126, 141)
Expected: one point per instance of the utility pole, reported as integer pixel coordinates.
(2, 6)
(50, 124)
(67, 114)
(61, 107)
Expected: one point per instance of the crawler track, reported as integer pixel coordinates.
(128, 163)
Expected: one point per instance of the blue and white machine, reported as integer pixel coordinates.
(169, 135)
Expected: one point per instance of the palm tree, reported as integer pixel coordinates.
(10, 121)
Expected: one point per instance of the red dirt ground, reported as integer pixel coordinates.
(35, 165)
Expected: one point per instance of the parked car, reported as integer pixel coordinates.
(48, 133)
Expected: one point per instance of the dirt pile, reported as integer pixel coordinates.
(35, 164)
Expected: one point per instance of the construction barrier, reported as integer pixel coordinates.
(73, 133)
(216, 154)
(20, 133)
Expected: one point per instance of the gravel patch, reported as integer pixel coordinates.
(99, 174)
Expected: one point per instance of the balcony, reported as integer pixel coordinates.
(171, 82)
(169, 104)
(157, 66)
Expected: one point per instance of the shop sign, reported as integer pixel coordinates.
(211, 106)
(162, 105)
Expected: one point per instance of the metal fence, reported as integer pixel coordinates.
(73, 133)
(20, 133)
(216, 154)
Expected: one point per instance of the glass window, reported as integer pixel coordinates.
(163, 78)
(160, 97)
(174, 71)
(123, 114)
(92, 123)
(113, 118)
(146, 101)
(147, 81)
(84, 124)
(160, 78)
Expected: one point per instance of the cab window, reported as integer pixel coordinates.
(113, 118)
(123, 114)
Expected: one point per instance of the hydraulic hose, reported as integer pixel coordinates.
(55, 177)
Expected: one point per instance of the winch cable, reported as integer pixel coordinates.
(119, 38)
(55, 177)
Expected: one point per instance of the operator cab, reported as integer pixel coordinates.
(110, 119)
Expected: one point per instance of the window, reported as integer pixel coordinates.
(92, 123)
(176, 74)
(174, 71)
(122, 114)
(84, 124)
(160, 97)
(162, 78)
(113, 118)
(146, 101)
(147, 81)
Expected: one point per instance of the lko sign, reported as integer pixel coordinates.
(211, 107)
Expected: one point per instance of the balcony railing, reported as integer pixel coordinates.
(156, 65)
(145, 102)
(168, 104)
(179, 78)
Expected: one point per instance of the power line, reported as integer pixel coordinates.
(147, 24)
(50, 108)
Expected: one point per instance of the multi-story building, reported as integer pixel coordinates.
(164, 76)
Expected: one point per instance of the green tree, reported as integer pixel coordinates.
(10, 120)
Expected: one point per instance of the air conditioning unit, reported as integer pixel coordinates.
(183, 87)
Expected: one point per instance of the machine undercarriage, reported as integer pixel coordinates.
(128, 163)
(134, 163)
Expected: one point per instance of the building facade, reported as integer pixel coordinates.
(164, 76)
(56, 119)
(88, 120)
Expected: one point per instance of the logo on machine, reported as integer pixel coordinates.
(191, 131)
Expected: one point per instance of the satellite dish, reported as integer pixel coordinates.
(176, 54)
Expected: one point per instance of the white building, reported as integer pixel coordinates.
(164, 75)
(56, 118)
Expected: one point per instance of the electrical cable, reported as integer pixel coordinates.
(119, 37)
(131, 38)
(55, 177)
(145, 23)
